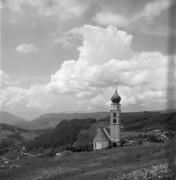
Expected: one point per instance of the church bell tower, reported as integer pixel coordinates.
(115, 119)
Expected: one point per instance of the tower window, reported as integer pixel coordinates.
(114, 114)
(114, 121)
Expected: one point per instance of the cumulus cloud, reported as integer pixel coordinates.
(99, 46)
(15, 97)
(26, 48)
(60, 9)
(105, 56)
(149, 12)
(102, 44)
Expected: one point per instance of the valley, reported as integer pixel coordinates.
(65, 151)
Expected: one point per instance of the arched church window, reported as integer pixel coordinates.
(114, 114)
(114, 121)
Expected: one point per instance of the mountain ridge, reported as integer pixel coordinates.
(50, 120)
(10, 118)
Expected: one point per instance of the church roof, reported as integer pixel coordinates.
(100, 136)
(116, 98)
(107, 129)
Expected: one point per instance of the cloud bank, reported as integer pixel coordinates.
(106, 56)
(150, 11)
(86, 84)
(59, 9)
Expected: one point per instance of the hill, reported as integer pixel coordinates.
(144, 121)
(9, 118)
(11, 137)
(149, 120)
(9, 132)
(51, 120)
(10, 128)
(65, 133)
(82, 131)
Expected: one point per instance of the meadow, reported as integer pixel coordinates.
(111, 164)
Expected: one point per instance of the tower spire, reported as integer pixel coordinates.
(116, 98)
(115, 110)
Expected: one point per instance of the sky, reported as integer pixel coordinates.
(66, 55)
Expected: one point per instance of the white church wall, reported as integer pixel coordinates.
(101, 145)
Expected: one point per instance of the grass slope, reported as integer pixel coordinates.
(11, 137)
(97, 165)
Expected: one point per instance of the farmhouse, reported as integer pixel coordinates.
(110, 135)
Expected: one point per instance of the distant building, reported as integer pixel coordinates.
(110, 135)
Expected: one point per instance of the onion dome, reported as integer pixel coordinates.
(115, 98)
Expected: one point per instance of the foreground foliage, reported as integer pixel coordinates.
(158, 172)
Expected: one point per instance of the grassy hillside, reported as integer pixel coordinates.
(65, 133)
(144, 121)
(11, 137)
(106, 164)
(7, 131)
(11, 128)
(12, 132)
(82, 131)
(149, 120)
(109, 164)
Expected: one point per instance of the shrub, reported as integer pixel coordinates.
(158, 172)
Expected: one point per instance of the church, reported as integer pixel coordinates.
(110, 135)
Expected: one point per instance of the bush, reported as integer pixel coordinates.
(158, 172)
(5, 145)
